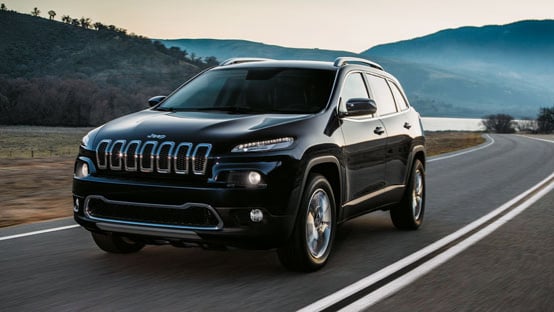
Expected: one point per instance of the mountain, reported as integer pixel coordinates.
(225, 49)
(510, 67)
(514, 50)
(464, 72)
(53, 73)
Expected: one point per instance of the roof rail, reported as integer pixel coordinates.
(343, 60)
(239, 60)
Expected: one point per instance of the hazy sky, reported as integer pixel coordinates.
(352, 25)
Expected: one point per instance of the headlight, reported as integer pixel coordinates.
(82, 169)
(267, 145)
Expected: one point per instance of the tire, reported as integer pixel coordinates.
(408, 215)
(114, 243)
(311, 242)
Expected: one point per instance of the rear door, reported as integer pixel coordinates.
(392, 109)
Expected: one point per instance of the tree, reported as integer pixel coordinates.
(545, 120)
(211, 61)
(52, 13)
(99, 26)
(3, 7)
(499, 123)
(85, 22)
(66, 19)
(75, 22)
(35, 12)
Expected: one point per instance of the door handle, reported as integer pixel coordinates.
(379, 130)
(407, 125)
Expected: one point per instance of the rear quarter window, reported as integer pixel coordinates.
(398, 97)
(382, 95)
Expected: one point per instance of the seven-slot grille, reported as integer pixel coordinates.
(153, 156)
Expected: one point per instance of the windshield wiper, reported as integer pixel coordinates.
(166, 109)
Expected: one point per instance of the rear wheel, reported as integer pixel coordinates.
(310, 244)
(114, 243)
(408, 215)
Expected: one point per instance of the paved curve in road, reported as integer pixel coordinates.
(63, 270)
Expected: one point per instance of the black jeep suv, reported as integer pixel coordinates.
(255, 153)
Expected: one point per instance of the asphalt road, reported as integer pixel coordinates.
(64, 271)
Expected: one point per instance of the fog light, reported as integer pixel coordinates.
(254, 178)
(82, 170)
(256, 215)
(76, 205)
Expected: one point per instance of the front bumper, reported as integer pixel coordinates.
(230, 210)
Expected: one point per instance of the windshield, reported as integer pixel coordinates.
(255, 90)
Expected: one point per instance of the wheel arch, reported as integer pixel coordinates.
(418, 152)
(329, 167)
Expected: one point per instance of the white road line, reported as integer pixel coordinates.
(430, 265)
(464, 152)
(538, 139)
(39, 232)
(375, 277)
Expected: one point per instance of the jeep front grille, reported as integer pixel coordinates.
(153, 156)
(186, 216)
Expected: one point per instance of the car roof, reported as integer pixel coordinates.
(351, 63)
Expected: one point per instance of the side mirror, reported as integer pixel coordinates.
(359, 107)
(153, 101)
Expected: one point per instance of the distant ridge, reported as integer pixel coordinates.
(224, 49)
(463, 72)
(522, 49)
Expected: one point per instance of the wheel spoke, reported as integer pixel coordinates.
(318, 223)
(417, 194)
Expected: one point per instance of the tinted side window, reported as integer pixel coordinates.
(382, 95)
(398, 98)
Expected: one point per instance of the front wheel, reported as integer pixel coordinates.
(310, 244)
(408, 215)
(114, 243)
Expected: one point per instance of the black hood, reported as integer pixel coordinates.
(191, 126)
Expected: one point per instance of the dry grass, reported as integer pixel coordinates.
(35, 189)
(444, 142)
(31, 142)
(39, 188)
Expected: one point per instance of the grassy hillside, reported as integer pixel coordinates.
(225, 49)
(53, 73)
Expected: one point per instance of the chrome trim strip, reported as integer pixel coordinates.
(361, 199)
(219, 225)
(147, 231)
